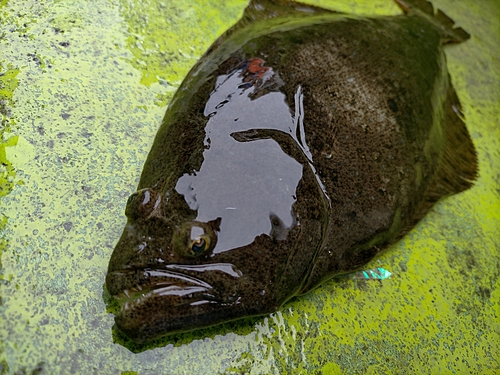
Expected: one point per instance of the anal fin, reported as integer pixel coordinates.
(458, 166)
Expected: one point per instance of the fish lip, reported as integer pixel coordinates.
(173, 299)
(184, 295)
(158, 282)
(172, 280)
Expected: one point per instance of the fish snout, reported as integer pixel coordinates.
(155, 302)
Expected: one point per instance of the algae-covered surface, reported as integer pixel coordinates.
(83, 88)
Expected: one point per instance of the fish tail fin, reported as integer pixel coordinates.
(439, 18)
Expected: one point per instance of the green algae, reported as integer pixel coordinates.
(8, 83)
(164, 48)
(85, 119)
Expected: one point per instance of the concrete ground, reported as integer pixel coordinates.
(84, 86)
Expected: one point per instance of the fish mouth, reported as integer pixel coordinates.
(159, 301)
(137, 285)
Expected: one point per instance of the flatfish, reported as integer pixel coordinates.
(302, 144)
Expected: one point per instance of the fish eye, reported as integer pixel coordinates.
(199, 245)
(132, 197)
(130, 208)
(193, 239)
(142, 203)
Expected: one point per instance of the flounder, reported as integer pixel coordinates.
(302, 144)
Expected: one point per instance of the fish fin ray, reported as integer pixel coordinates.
(458, 168)
(267, 9)
(261, 10)
(424, 8)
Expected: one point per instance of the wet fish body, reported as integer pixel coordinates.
(302, 144)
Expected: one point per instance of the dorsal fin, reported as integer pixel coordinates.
(262, 10)
(425, 9)
(267, 9)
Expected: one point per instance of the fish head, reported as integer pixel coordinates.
(170, 274)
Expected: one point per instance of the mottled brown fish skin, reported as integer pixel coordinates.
(384, 140)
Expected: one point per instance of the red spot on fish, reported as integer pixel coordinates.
(256, 66)
(252, 70)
